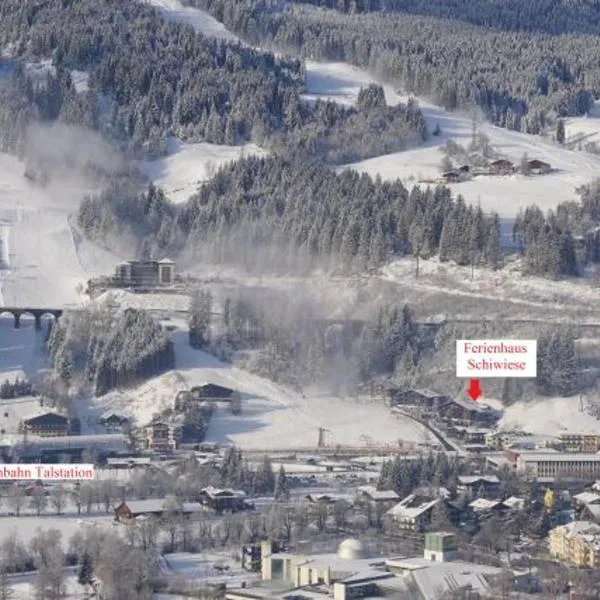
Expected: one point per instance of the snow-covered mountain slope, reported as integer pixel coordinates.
(341, 82)
(187, 165)
(46, 262)
(273, 416)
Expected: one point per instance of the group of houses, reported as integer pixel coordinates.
(424, 403)
(501, 166)
(186, 423)
(210, 498)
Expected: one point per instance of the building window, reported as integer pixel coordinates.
(277, 568)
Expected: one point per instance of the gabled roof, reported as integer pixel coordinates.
(471, 405)
(408, 508)
(48, 418)
(166, 261)
(474, 479)
(213, 492)
(484, 504)
(587, 498)
(157, 505)
(375, 494)
(514, 502)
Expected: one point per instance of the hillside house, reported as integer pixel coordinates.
(114, 422)
(218, 393)
(502, 166)
(413, 513)
(211, 391)
(450, 177)
(133, 509)
(422, 398)
(372, 494)
(162, 436)
(145, 272)
(47, 425)
(482, 486)
(464, 411)
(223, 500)
(538, 167)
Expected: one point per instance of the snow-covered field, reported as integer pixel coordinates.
(26, 526)
(550, 417)
(187, 165)
(506, 195)
(273, 416)
(341, 82)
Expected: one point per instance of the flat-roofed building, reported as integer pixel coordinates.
(551, 465)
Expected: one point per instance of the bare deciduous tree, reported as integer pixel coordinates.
(38, 500)
(16, 498)
(58, 498)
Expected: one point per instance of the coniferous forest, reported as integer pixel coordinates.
(520, 79)
(188, 86)
(109, 350)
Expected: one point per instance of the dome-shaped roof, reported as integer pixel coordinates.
(352, 549)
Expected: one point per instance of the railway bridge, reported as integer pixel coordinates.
(37, 313)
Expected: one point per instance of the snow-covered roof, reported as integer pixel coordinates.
(472, 479)
(578, 528)
(407, 509)
(375, 494)
(166, 261)
(214, 492)
(157, 505)
(484, 504)
(587, 498)
(558, 456)
(471, 405)
(514, 502)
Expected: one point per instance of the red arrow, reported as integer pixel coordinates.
(474, 390)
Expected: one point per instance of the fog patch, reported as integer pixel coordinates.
(60, 152)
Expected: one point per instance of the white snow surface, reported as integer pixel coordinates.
(273, 416)
(48, 261)
(201, 21)
(341, 83)
(187, 165)
(549, 417)
(505, 195)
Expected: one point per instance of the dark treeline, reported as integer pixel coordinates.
(548, 16)
(277, 214)
(520, 80)
(404, 476)
(109, 350)
(16, 388)
(562, 241)
(149, 79)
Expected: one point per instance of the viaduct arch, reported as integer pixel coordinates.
(37, 314)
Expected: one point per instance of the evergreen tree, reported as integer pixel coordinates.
(560, 131)
(200, 318)
(282, 492)
(85, 570)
